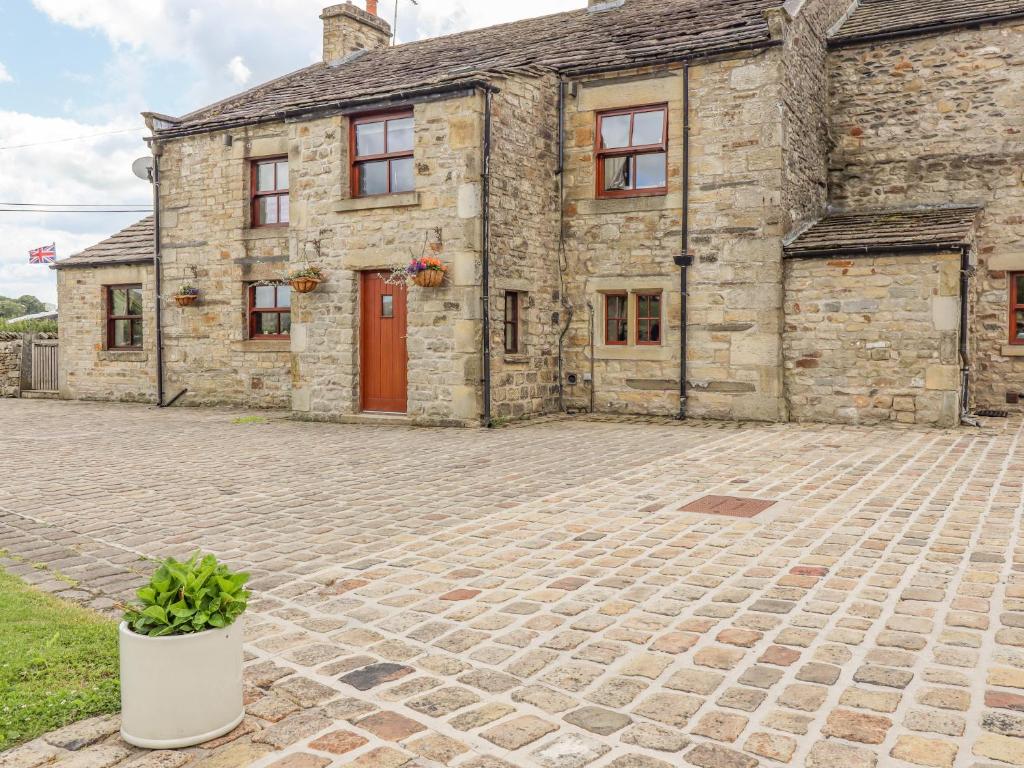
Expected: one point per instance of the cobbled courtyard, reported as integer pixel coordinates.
(557, 594)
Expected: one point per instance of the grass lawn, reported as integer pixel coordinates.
(58, 663)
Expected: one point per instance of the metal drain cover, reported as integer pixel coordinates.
(728, 506)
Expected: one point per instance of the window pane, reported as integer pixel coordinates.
(1020, 288)
(510, 337)
(265, 295)
(616, 306)
(1020, 323)
(373, 178)
(264, 177)
(286, 322)
(282, 211)
(648, 128)
(617, 173)
(266, 323)
(266, 210)
(122, 333)
(118, 301)
(134, 301)
(282, 174)
(400, 135)
(615, 131)
(369, 139)
(387, 306)
(650, 171)
(284, 295)
(136, 333)
(401, 175)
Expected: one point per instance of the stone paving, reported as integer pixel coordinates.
(537, 596)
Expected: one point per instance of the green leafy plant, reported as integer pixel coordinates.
(308, 272)
(189, 597)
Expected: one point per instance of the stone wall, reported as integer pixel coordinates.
(442, 217)
(937, 120)
(10, 364)
(524, 253)
(88, 370)
(206, 241)
(872, 340)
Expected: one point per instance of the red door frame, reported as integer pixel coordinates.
(383, 355)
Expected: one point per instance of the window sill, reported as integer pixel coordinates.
(517, 359)
(633, 352)
(122, 356)
(264, 233)
(262, 345)
(1012, 350)
(401, 200)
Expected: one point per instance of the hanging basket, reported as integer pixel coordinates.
(186, 299)
(429, 278)
(304, 284)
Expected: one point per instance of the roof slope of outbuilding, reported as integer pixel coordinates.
(637, 33)
(893, 17)
(929, 229)
(132, 245)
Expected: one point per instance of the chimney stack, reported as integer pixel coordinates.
(348, 29)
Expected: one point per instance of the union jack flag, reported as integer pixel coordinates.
(46, 254)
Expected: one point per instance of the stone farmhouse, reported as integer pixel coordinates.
(809, 210)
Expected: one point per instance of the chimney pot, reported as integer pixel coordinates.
(348, 29)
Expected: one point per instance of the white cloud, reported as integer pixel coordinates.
(239, 71)
(93, 170)
(5, 76)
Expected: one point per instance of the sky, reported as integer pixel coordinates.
(76, 74)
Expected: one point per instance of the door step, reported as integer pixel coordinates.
(35, 394)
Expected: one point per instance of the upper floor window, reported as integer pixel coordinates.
(270, 192)
(1016, 307)
(382, 147)
(512, 322)
(632, 152)
(124, 317)
(270, 311)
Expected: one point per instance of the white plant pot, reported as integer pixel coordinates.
(181, 690)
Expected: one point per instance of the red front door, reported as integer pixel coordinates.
(382, 353)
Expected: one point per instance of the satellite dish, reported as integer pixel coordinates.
(143, 168)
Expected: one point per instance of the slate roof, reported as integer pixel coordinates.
(852, 233)
(132, 245)
(905, 16)
(640, 32)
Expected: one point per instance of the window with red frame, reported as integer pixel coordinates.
(382, 148)
(124, 317)
(1016, 307)
(270, 192)
(632, 152)
(270, 311)
(616, 318)
(648, 318)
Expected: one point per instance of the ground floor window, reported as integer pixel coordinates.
(270, 311)
(1016, 307)
(616, 318)
(512, 304)
(124, 317)
(648, 318)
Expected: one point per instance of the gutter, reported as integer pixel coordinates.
(874, 249)
(930, 29)
(485, 258)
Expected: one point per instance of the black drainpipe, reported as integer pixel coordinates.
(965, 318)
(486, 259)
(684, 260)
(156, 279)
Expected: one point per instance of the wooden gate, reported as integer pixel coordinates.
(44, 365)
